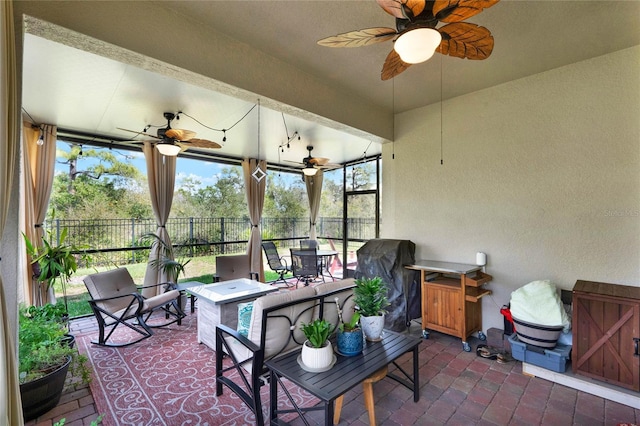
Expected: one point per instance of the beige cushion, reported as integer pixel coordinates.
(116, 282)
(330, 309)
(277, 335)
(161, 299)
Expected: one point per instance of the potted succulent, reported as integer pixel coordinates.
(44, 358)
(349, 337)
(370, 298)
(317, 351)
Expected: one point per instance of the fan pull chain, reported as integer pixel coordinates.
(393, 112)
(441, 155)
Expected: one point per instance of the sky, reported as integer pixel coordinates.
(207, 173)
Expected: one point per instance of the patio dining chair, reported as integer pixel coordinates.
(309, 244)
(116, 300)
(276, 262)
(305, 265)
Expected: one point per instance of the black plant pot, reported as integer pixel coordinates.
(41, 395)
(69, 340)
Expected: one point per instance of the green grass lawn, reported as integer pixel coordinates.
(198, 269)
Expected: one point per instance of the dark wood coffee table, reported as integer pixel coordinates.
(345, 374)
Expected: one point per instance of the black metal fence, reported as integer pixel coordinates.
(120, 241)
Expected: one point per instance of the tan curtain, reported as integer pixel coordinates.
(38, 169)
(10, 405)
(161, 174)
(314, 192)
(255, 201)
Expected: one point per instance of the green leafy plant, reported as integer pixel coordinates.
(49, 312)
(370, 296)
(41, 347)
(55, 262)
(95, 422)
(317, 332)
(350, 325)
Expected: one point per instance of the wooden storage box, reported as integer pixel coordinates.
(606, 333)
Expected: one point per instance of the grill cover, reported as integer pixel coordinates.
(386, 258)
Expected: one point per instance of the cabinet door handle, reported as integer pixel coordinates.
(635, 346)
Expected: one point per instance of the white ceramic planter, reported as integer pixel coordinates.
(372, 327)
(317, 358)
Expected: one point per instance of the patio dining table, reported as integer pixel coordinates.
(325, 255)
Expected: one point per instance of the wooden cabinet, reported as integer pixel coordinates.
(606, 323)
(451, 294)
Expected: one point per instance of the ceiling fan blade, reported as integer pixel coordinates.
(459, 10)
(330, 166)
(180, 134)
(202, 143)
(403, 9)
(465, 40)
(138, 133)
(293, 162)
(359, 38)
(318, 161)
(183, 146)
(393, 65)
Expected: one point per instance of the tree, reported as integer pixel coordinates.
(360, 177)
(185, 200)
(103, 188)
(331, 202)
(285, 198)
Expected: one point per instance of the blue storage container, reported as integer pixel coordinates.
(552, 359)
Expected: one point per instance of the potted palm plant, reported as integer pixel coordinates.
(370, 298)
(166, 262)
(317, 351)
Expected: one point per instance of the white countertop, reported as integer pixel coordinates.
(445, 267)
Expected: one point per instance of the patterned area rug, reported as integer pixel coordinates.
(168, 379)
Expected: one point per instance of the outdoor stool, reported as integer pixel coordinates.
(367, 387)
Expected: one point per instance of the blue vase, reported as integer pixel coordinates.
(349, 343)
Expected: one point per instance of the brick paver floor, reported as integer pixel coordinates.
(457, 388)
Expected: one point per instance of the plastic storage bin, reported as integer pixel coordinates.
(552, 359)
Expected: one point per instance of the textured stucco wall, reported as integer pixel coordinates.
(542, 174)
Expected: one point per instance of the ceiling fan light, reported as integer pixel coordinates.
(309, 171)
(417, 45)
(168, 149)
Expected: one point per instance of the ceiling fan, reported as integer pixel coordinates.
(418, 38)
(313, 164)
(171, 141)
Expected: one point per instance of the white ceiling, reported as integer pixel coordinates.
(93, 93)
